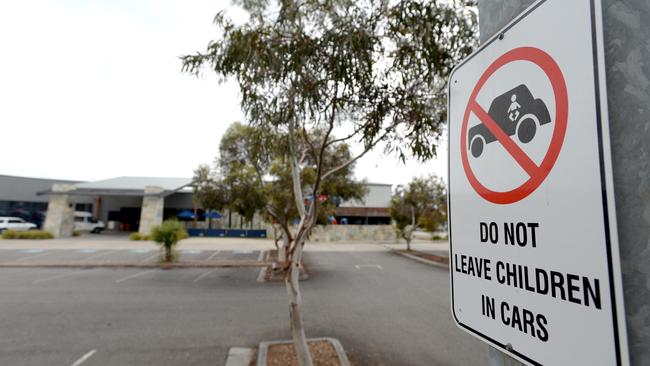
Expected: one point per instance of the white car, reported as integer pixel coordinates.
(84, 221)
(16, 224)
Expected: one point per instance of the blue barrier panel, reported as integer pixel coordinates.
(229, 233)
(196, 232)
(256, 233)
(235, 233)
(216, 233)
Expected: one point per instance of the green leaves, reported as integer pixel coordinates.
(378, 68)
(169, 233)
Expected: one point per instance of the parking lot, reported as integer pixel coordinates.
(386, 310)
(44, 256)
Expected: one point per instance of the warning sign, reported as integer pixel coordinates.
(533, 244)
(515, 113)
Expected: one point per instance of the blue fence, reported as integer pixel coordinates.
(228, 233)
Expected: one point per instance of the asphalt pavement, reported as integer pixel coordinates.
(385, 309)
(146, 255)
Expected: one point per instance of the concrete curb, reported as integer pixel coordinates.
(340, 352)
(240, 356)
(138, 265)
(421, 260)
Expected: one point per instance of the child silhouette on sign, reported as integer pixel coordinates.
(513, 110)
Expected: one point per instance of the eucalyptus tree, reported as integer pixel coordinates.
(281, 205)
(421, 203)
(208, 192)
(252, 167)
(368, 72)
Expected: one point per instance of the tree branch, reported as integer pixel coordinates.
(365, 151)
(295, 170)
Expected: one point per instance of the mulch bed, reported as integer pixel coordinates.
(427, 256)
(322, 353)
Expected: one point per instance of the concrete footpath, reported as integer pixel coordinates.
(121, 242)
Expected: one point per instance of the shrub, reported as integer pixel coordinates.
(76, 233)
(138, 237)
(31, 234)
(167, 235)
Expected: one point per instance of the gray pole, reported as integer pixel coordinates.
(627, 47)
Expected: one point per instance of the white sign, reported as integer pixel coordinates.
(534, 253)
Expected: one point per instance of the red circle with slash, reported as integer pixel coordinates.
(537, 173)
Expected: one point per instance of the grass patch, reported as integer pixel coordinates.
(30, 234)
(139, 237)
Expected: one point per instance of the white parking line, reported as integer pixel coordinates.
(359, 266)
(149, 258)
(57, 276)
(31, 251)
(213, 254)
(84, 358)
(135, 275)
(261, 256)
(203, 275)
(33, 256)
(97, 255)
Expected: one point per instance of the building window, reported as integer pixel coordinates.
(84, 207)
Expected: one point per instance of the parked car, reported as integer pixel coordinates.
(84, 221)
(15, 223)
(516, 112)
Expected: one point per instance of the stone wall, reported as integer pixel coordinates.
(152, 209)
(334, 233)
(59, 220)
(343, 233)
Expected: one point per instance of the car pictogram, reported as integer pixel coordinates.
(516, 112)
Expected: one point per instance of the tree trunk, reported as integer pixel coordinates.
(282, 251)
(168, 253)
(307, 219)
(295, 304)
(410, 229)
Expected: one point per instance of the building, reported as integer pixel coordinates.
(19, 197)
(139, 203)
(372, 210)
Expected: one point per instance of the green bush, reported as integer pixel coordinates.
(31, 234)
(76, 233)
(138, 237)
(167, 235)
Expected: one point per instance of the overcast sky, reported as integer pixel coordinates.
(92, 89)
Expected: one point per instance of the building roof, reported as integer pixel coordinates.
(137, 183)
(128, 186)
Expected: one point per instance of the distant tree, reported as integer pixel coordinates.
(422, 203)
(368, 71)
(281, 204)
(252, 168)
(208, 191)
